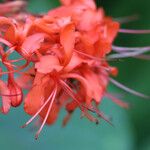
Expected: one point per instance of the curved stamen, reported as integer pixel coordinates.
(127, 19)
(124, 49)
(7, 63)
(123, 87)
(130, 31)
(5, 42)
(90, 56)
(48, 111)
(83, 108)
(101, 115)
(16, 60)
(9, 51)
(95, 58)
(117, 101)
(70, 92)
(128, 54)
(35, 115)
(15, 71)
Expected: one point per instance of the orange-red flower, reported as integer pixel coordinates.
(65, 51)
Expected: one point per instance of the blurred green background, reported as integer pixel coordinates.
(131, 129)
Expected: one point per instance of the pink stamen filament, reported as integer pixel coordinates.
(130, 31)
(15, 71)
(121, 86)
(100, 114)
(5, 42)
(16, 60)
(128, 54)
(48, 111)
(127, 19)
(94, 58)
(124, 49)
(117, 101)
(108, 69)
(7, 63)
(70, 92)
(9, 51)
(89, 56)
(42, 107)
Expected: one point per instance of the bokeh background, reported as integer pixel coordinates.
(131, 129)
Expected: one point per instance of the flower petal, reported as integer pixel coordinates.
(67, 39)
(83, 83)
(34, 100)
(32, 43)
(96, 85)
(47, 64)
(9, 29)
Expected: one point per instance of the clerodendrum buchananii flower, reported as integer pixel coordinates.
(66, 55)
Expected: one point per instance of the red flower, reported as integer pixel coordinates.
(66, 53)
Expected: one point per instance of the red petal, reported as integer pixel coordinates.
(34, 100)
(9, 29)
(32, 44)
(83, 82)
(111, 29)
(48, 64)
(67, 39)
(96, 85)
(74, 62)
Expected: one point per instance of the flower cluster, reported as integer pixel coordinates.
(65, 63)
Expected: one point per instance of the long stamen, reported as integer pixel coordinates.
(95, 58)
(82, 107)
(130, 31)
(15, 71)
(128, 54)
(68, 90)
(117, 101)
(16, 60)
(124, 49)
(101, 114)
(128, 89)
(71, 93)
(5, 42)
(9, 51)
(32, 118)
(48, 111)
(7, 63)
(90, 117)
(71, 85)
(127, 19)
(90, 56)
